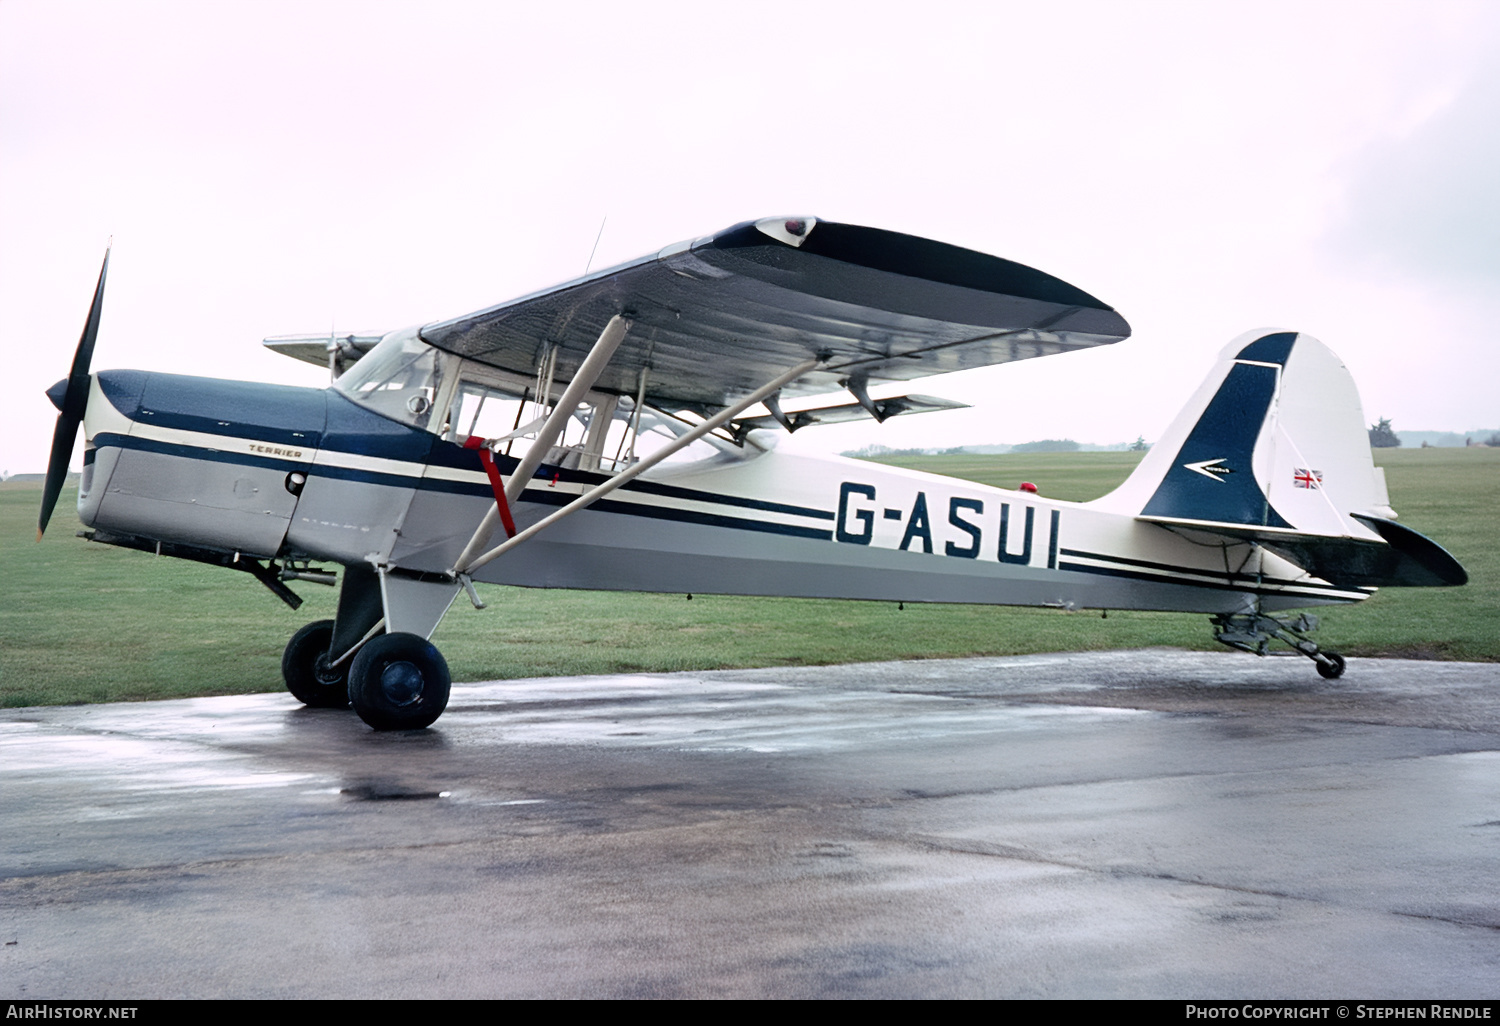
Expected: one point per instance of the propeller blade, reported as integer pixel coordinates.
(75, 401)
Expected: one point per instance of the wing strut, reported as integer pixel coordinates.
(724, 416)
(593, 365)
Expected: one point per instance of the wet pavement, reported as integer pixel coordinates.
(1130, 824)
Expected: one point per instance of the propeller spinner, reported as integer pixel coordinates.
(71, 397)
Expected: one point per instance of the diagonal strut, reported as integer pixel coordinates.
(599, 491)
(593, 365)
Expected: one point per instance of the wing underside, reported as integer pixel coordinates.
(345, 350)
(714, 319)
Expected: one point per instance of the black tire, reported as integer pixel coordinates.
(1334, 671)
(399, 682)
(304, 667)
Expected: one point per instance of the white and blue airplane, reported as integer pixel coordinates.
(620, 432)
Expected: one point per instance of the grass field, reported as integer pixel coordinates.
(89, 623)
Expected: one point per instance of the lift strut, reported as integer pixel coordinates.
(599, 491)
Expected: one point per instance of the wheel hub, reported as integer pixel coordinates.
(401, 682)
(326, 675)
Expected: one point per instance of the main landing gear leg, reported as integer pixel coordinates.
(315, 665)
(375, 656)
(1254, 632)
(398, 680)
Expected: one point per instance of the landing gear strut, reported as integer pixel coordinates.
(395, 682)
(1254, 632)
(394, 679)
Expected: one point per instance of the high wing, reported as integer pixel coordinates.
(713, 319)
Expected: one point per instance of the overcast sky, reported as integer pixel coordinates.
(1205, 168)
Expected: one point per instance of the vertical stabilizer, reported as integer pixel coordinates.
(1274, 439)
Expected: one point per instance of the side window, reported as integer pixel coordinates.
(603, 435)
(484, 411)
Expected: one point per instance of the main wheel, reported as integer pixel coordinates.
(399, 682)
(1333, 669)
(304, 667)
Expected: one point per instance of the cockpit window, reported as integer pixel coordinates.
(399, 378)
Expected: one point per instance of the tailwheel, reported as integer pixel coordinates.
(304, 667)
(399, 682)
(1254, 632)
(1330, 665)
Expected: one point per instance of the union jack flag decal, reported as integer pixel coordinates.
(1304, 478)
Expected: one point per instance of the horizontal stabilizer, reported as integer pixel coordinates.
(846, 412)
(1422, 562)
(1402, 559)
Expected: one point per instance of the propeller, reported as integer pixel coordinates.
(71, 397)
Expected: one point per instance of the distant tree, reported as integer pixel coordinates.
(1047, 445)
(1494, 441)
(1139, 445)
(880, 452)
(1383, 436)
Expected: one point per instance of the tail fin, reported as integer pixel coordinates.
(1273, 448)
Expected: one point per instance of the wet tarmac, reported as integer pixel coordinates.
(1124, 824)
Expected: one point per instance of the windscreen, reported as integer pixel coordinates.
(399, 378)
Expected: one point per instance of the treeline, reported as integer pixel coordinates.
(1042, 445)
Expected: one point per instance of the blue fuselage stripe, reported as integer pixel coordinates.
(482, 488)
(686, 516)
(1228, 575)
(508, 464)
(108, 439)
(675, 492)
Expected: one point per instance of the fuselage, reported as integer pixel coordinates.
(313, 474)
